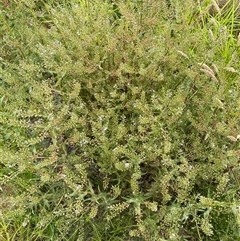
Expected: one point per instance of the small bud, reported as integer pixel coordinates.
(232, 138)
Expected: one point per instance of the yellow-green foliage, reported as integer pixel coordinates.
(119, 120)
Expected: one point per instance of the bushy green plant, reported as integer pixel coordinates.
(119, 121)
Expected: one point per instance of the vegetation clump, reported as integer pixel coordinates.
(119, 121)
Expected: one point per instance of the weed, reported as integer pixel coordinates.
(119, 120)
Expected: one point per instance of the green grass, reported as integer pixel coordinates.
(119, 120)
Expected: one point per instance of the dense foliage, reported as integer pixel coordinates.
(119, 121)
